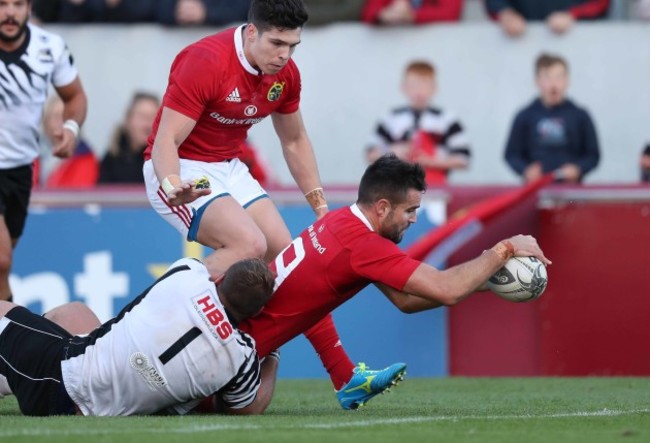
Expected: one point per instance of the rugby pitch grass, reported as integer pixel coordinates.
(481, 410)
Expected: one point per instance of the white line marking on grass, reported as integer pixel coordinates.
(190, 429)
(39, 432)
(393, 421)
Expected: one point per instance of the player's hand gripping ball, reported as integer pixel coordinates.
(521, 279)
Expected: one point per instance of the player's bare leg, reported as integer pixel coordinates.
(5, 307)
(226, 227)
(269, 220)
(74, 317)
(7, 245)
(4, 387)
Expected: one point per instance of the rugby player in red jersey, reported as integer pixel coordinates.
(349, 248)
(218, 88)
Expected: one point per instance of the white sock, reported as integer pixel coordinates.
(4, 387)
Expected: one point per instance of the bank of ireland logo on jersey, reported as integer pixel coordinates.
(234, 96)
(250, 110)
(275, 91)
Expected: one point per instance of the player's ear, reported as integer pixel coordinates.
(382, 208)
(251, 32)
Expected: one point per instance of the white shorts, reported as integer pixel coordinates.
(226, 178)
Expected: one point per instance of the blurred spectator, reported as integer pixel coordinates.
(118, 11)
(123, 161)
(258, 168)
(552, 133)
(322, 12)
(559, 15)
(78, 171)
(642, 9)
(645, 164)
(406, 12)
(202, 12)
(421, 133)
(46, 10)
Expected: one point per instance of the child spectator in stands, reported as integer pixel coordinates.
(80, 170)
(421, 133)
(408, 12)
(559, 15)
(123, 161)
(552, 134)
(202, 12)
(645, 164)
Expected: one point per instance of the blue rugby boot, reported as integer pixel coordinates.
(366, 383)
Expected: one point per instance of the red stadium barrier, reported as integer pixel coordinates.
(592, 320)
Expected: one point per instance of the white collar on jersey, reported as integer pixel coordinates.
(357, 212)
(239, 48)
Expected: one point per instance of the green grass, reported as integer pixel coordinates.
(438, 410)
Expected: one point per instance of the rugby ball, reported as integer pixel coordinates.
(521, 279)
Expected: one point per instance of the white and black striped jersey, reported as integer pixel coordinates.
(401, 124)
(171, 347)
(25, 76)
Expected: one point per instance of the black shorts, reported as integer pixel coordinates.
(31, 350)
(15, 189)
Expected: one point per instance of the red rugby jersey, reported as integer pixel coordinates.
(326, 265)
(211, 82)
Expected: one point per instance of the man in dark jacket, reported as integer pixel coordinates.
(559, 15)
(552, 133)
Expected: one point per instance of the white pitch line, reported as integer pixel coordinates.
(391, 421)
(38, 432)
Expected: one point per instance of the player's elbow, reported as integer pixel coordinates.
(255, 408)
(407, 308)
(259, 409)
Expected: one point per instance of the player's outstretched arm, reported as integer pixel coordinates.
(452, 285)
(407, 303)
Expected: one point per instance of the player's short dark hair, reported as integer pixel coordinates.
(247, 286)
(390, 178)
(546, 60)
(280, 14)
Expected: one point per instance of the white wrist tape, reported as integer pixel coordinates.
(72, 126)
(313, 190)
(166, 185)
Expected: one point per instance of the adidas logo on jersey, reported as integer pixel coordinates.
(234, 96)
